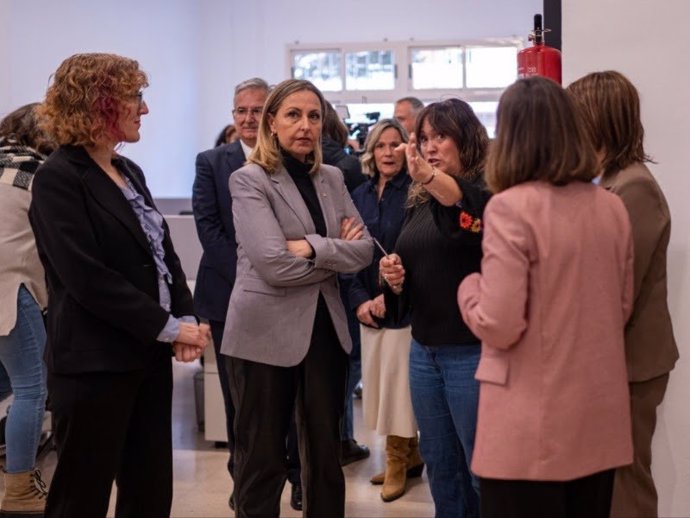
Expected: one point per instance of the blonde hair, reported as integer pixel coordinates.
(368, 161)
(83, 102)
(539, 136)
(266, 154)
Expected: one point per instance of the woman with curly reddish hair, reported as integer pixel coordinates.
(119, 305)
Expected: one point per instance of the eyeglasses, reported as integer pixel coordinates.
(138, 98)
(244, 112)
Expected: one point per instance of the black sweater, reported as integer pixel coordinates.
(439, 246)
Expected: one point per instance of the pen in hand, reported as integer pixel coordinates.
(376, 242)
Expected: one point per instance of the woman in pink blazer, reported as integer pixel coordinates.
(550, 307)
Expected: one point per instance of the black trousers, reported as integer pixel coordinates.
(587, 497)
(112, 426)
(265, 399)
(293, 461)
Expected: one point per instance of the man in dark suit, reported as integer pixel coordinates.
(212, 207)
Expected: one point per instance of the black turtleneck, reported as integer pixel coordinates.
(299, 172)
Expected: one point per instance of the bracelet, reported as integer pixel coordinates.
(433, 175)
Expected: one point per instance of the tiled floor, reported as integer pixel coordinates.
(202, 484)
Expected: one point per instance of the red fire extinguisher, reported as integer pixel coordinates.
(539, 60)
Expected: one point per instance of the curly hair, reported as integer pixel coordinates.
(85, 99)
(455, 119)
(21, 126)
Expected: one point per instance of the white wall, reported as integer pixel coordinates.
(195, 51)
(4, 44)
(645, 41)
(160, 34)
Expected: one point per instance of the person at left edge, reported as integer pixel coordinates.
(23, 295)
(119, 305)
(286, 338)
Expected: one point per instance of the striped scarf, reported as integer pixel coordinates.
(18, 164)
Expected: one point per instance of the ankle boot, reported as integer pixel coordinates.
(25, 495)
(397, 449)
(415, 464)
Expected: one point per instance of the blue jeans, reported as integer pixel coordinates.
(21, 359)
(444, 397)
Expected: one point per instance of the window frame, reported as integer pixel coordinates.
(402, 67)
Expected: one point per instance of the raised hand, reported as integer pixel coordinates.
(419, 169)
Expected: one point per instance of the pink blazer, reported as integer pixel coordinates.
(550, 307)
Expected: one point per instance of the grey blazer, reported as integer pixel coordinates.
(273, 304)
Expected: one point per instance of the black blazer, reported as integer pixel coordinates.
(212, 207)
(103, 309)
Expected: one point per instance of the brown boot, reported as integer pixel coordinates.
(415, 464)
(25, 495)
(395, 479)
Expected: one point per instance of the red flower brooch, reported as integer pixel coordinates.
(470, 223)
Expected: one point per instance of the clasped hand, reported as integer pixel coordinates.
(191, 341)
(370, 309)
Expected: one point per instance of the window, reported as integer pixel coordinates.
(321, 68)
(437, 68)
(369, 78)
(370, 70)
(491, 67)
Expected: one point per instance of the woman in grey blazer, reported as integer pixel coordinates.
(286, 339)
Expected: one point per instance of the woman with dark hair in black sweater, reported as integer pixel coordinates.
(439, 245)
